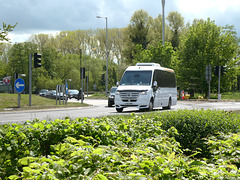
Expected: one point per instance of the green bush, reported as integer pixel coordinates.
(133, 147)
(37, 138)
(194, 125)
(225, 148)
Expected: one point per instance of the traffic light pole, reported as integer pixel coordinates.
(30, 79)
(81, 76)
(82, 87)
(219, 78)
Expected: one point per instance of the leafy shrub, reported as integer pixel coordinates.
(194, 125)
(134, 147)
(38, 137)
(225, 148)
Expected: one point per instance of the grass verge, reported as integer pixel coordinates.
(10, 101)
(98, 95)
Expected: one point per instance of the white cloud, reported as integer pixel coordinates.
(35, 17)
(22, 37)
(203, 6)
(18, 38)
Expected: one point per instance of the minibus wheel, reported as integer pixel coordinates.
(150, 105)
(169, 103)
(119, 109)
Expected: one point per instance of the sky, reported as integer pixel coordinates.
(53, 16)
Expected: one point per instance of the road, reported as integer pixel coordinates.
(99, 108)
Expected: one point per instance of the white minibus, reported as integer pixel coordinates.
(146, 86)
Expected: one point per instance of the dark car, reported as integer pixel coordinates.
(73, 93)
(51, 94)
(111, 96)
(54, 95)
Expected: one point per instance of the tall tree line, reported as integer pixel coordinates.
(188, 48)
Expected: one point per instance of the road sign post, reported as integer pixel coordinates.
(19, 87)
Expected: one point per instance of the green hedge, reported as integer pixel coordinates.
(133, 147)
(194, 125)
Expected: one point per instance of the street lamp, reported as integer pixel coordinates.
(163, 23)
(106, 56)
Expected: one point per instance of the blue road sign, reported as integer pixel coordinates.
(19, 85)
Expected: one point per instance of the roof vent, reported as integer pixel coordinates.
(148, 64)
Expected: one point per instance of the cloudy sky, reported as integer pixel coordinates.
(50, 16)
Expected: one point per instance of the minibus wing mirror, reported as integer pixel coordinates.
(155, 84)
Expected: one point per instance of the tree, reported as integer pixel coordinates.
(176, 24)
(137, 33)
(162, 54)
(4, 32)
(155, 31)
(50, 58)
(204, 44)
(18, 59)
(42, 40)
(116, 36)
(4, 48)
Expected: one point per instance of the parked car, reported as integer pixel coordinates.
(73, 93)
(43, 92)
(111, 96)
(53, 94)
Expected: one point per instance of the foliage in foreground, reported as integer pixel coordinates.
(134, 147)
(193, 126)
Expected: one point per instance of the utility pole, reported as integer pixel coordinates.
(106, 54)
(163, 23)
(219, 78)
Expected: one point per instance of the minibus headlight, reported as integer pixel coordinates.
(117, 93)
(143, 93)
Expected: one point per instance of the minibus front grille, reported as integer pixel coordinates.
(129, 100)
(129, 96)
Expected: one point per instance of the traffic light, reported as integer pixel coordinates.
(82, 70)
(223, 70)
(37, 60)
(216, 70)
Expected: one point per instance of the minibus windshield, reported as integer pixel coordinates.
(136, 78)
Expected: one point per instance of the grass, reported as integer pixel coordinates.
(224, 96)
(98, 95)
(231, 95)
(38, 102)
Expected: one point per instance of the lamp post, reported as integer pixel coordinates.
(163, 23)
(106, 56)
